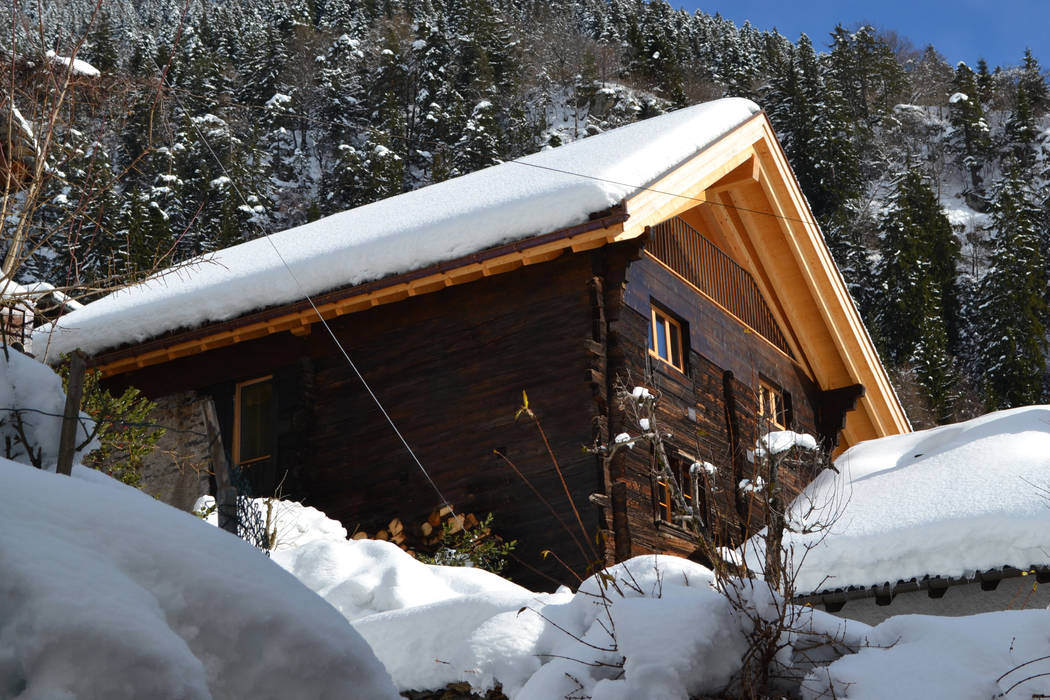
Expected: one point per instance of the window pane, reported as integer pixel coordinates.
(255, 417)
(661, 337)
(676, 345)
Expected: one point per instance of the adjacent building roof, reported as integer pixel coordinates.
(945, 502)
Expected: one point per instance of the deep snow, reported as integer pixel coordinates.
(947, 501)
(108, 593)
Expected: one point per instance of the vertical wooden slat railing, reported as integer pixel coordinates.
(701, 263)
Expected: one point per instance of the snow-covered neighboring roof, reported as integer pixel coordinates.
(504, 203)
(948, 501)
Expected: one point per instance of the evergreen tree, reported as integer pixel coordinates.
(1011, 336)
(969, 140)
(1019, 134)
(867, 72)
(101, 50)
(811, 120)
(916, 273)
(1033, 83)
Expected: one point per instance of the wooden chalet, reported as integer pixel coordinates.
(709, 283)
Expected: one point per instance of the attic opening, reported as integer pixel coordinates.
(714, 274)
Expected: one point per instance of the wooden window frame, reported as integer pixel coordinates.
(672, 344)
(662, 491)
(772, 405)
(237, 421)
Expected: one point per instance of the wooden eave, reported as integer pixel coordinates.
(298, 317)
(743, 184)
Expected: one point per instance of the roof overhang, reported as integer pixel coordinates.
(298, 318)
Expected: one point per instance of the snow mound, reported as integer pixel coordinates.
(947, 501)
(362, 577)
(107, 593)
(434, 625)
(923, 656)
(535, 195)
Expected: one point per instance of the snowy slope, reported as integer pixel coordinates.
(946, 501)
(497, 205)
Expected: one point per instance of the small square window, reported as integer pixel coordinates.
(772, 405)
(665, 338)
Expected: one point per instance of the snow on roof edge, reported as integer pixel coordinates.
(444, 221)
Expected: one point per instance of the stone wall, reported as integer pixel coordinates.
(179, 469)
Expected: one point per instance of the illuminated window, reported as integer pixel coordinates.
(665, 338)
(772, 406)
(253, 421)
(666, 509)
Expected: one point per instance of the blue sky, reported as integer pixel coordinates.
(962, 30)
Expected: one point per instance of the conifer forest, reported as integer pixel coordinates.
(211, 122)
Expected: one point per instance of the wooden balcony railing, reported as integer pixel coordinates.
(701, 263)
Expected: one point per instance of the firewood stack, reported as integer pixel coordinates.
(427, 535)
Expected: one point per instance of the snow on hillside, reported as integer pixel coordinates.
(947, 501)
(441, 222)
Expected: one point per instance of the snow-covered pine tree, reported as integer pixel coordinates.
(916, 272)
(1033, 83)
(1009, 342)
(811, 120)
(969, 139)
(867, 72)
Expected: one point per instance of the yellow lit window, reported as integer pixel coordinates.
(665, 338)
(772, 408)
(666, 509)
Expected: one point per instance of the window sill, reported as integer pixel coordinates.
(675, 530)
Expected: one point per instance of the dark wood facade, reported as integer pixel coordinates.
(450, 368)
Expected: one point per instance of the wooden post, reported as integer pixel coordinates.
(67, 442)
(225, 491)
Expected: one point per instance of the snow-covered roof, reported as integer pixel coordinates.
(445, 221)
(948, 501)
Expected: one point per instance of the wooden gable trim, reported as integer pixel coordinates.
(775, 231)
(298, 318)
